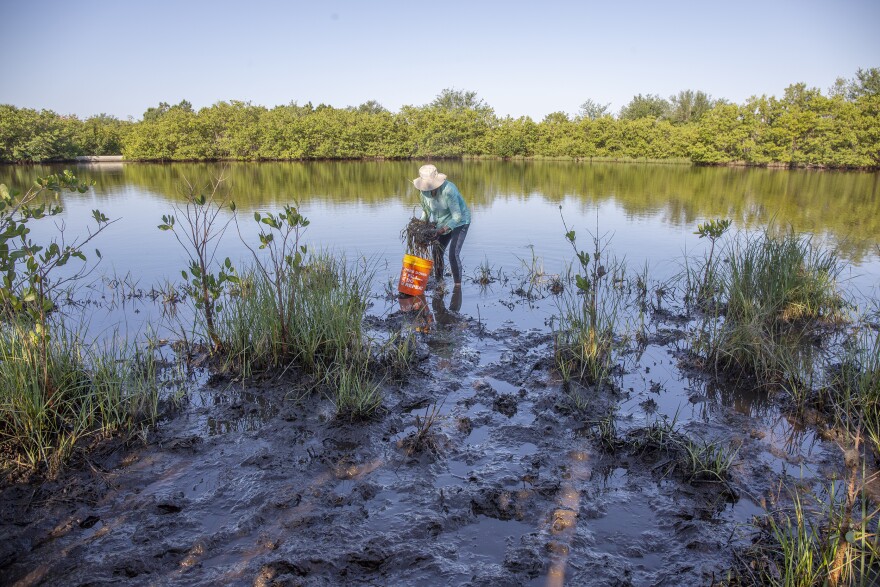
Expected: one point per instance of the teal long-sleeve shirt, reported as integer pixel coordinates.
(447, 208)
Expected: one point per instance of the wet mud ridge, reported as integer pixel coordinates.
(477, 473)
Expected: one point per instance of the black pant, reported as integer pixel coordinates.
(452, 240)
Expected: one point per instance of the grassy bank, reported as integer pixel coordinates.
(58, 391)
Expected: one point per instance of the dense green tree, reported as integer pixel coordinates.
(283, 134)
(101, 135)
(867, 83)
(557, 136)
(452, 99)
(689, 106)
(721, 136)
(868, 129)
(514, 137)
(153, 113)
(235, 128)
(592, 110)
(647, 106)
(28, 135)
(371, 107)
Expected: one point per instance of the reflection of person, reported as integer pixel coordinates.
(444, 316)
(455, 302)
(444, 205)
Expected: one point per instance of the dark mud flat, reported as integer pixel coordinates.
(261, 486)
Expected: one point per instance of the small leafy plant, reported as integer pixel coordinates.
(713, 230)
(199, 234)
(280, 234)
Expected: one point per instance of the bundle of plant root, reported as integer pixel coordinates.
(419, 235)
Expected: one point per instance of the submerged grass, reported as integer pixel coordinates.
(854, 395)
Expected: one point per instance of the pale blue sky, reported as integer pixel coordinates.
(523, 58)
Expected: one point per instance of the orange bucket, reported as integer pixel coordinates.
(414, 275)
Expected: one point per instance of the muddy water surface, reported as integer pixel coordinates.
(252, 485)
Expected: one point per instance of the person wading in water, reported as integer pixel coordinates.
(443, 204)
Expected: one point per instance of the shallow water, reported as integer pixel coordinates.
(647, 215)
(247, 484)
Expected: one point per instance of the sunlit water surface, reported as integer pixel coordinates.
(644, 214)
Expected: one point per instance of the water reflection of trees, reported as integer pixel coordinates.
(842, 205)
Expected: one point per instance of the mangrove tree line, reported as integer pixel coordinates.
(837, 128)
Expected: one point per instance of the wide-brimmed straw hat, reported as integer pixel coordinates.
(429, 178)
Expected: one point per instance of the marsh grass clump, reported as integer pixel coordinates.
(605, 432)
(699, 461)
(425, 439)
(534, 280)
(774, 293)
(308, 314)
(707, 461)
(590, 313)
(53, 397)
(483, 275)
(807, 539)
(55, 388)
(783, 279)
(354, 390)
(583, 352)
(325, 302)
(659, 437)
(398, 356)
